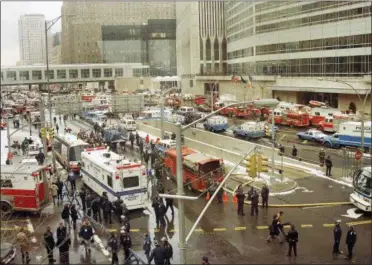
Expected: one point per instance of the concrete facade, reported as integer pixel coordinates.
(130, 84)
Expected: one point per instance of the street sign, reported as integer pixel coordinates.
(127, 103)
(358, 155)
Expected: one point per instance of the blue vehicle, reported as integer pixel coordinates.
(312, 135)
(349, 134)
(250, 130)
(114, 136)
(164, 145)
(216, 124)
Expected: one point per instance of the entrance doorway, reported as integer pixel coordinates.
(330, 98)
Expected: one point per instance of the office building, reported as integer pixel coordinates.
(31, 30)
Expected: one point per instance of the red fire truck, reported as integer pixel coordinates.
(200, 100)
(318, 115)
(331, 124)
(297, 116)
(198, 168)
(24, 187)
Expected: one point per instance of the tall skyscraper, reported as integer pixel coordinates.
(31, 29)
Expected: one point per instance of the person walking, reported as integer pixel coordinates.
(292, 239)
(126, 242)
(351, 238)
(82, 195)
(156, 205)
(157, 254)
(337, 234)
(205, 261)
(273, 229)
(107, 208)
(96, 209)
(240, 198)
(254, 203)
(219, 195)
(147, 246)
(294, 151)
(281, 225)
(74, 215)
(57, 128)
(140, 145)
(265, 196)
(137, 138)
(168, 251)
(72, 179)
(118, 209)
(54, 192)
(131, 139)
(162, 213)
(329, 164)
(64, 242)
(23, 242)
(49, 244)
(113, 243)
(147, 139)
(88, 203)
(146, 157)
(66, 216)
(60, 191)
(169, 203)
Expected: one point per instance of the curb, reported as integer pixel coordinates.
(299, 205)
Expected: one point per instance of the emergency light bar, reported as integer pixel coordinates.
(128, 166)
(95, 149)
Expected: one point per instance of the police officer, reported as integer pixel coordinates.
(169, 203)
(292, 238)
(118, 208)
(351, 238)
(240, 197)
(107, 208)
(49, 244)
(294, 151)
(265, 196)
(147, 245)
(114, 245)
(321, 157)
(126, 224)
(157, 254)
(126, 242)
(250, 193)
(88, 202)
(337, 234)
(156, 205)
(96, 208)
(82, 195)
(328, 163)
(254, 203)
(162, 213)
(168, 251)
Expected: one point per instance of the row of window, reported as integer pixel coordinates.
(241, 25)
(241, 53)
(335, 66)
(239, 15)
(315, 20)
(241, 35)
(271, 4)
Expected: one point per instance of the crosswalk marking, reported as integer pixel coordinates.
(199, 230)
(262, 227)
(240, 228)
(219, 229)
(305, 226)
(328, 225)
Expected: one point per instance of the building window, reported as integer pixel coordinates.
(107, 72)
(36, 75)
(85, 73)
(119, 72)
(109, 180)
(51, 74)
(61, 74)
(73, 74)
(23, 75)
(97, 73)
(11, 75)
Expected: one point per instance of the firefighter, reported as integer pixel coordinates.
(147, 245)
(131, 139)
(294, 151)
(96, 209)
(114, 245)
(156, 205)
(337, 234)
(49, 244)
(254, 203)
(23, 242)
(329, 164)
(240, 197)
(82, 195)
(321, 157)
(126, 242)
(169, 203)
(162, 213)
(168, 251)
(118, 209)
(157, 254)
(265, 196)
(351, 238)
(107, 208)
(292, 239)
(74, 216)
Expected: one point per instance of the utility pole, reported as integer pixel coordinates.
(273, 144)
(43, 123)
(8, 134)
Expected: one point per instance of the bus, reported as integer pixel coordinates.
(67, 149)
(362, 195)
(105, 171)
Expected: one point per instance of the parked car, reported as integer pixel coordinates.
(8, 253)
(312, 135)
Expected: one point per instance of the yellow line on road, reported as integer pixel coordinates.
(199, 230)
(134, 230)
(328, 225)
(112, 230)
(286, 226)
(219, 229)
(8, 229)
(172, 230)
(262, 227)
(240, 228)
(304, 226)
(360, 222)
(156, 230)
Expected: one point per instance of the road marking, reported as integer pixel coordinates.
(156, 230)
(304, 226)
(262, 227)
(219, 229)
(134, 230)
(328, 225)
(112, 230)
(240, 228)
(172, 230)
(360, 222)
(199, 230)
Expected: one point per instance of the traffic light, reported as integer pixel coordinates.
(51, 133)
(262, 163)
(43, 133)
(251, 166)
(267, 131)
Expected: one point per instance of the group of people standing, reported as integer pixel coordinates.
(253, 197)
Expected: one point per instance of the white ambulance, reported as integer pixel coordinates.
(105, 171)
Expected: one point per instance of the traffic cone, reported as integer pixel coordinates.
(225, 199)
(208, 196)
(235, 200)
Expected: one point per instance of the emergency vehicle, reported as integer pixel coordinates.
(216, 124)
(105, 171)
(68, 148)
(349, 134)
(296, 116)
(318, 115)
(246, 112)
(7, 113)
(154, 114)
(198, 168)
(24, 187)
(172, 102)
(250, 130)
(2, 124)
(332, 124)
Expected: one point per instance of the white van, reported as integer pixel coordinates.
(185, 110)
(129, 124)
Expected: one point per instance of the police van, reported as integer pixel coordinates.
(105, 171)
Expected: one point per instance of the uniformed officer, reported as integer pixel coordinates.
(155, 205)
(265, 196)
(118, 208)
(292, 238)
(254, 203)
(337, 234)
(351, 238)
(107, 208)
(126, 241)
(114, 245)
(162, 213)
(240, 197)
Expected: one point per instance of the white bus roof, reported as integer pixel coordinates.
(109, 164)
(357, 123)
(71, 139)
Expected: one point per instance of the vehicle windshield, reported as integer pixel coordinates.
(75, 152)
(211, 169)
(318, 134)
(363, 182)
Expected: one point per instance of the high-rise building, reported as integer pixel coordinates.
(31, 29)
(98, 32)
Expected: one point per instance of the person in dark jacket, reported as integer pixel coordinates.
(157, 254)
(60, 190)
(131, 139)
(292, 239)
(147, 246)
(337, 234)
(82, 195)
(126, 242)
(61, 230)
(118, 209)
(137, 139)
(351, 239)
(168, 251)
(146, 157)
(240, 198)
(66, 216)
(265, 196)
(107, 208)
(220, 195)
(88, 202)
(254, 203)
(153, 158)
(205, 261)
(161, 189)
(162, 213)
(169, 203)
(96, 209)
(40, 157)
(156, 205)
(273, 229)
(329, 164)
(64, 247)
(281, 149)
(294, 151)
(72, 179)
(113, 243)
(49, 244)
(250, 193)
(74, 215)
(140, 145)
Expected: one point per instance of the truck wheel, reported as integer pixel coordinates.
(188, 185)
(6, 208)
